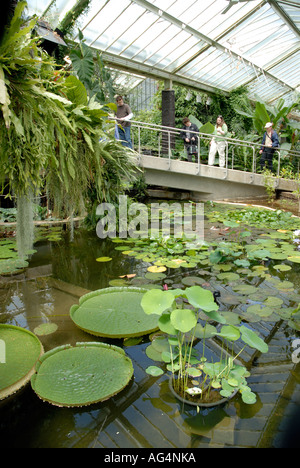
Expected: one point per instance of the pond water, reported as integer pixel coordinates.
(145, 414)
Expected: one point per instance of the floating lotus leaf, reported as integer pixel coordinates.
(81, 375)
(155, 276)
(232, 318)
(294, 258)
(232, 299)
(156, 269)
(12, 266)
(118, 282)
(21, 353)
(192, 280)
(245, 289)
(113, 312)
(273, 301)
(278, 256)
(260, 310)
(153, 353)
(154, 371)
(103, 259)
(228, 276)
(282, 267)
(45, 329)
(285, 285)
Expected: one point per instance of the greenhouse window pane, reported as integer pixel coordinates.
(267, 93)
(163, 45)
(105, 18)
(115, 32)
(287, 70)
(269, 54)
(182, 51)
(37, 7)
(183, 10)
(134, 36)
(94, 8)
(147, 39)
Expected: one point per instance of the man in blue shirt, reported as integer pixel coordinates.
(269, 144)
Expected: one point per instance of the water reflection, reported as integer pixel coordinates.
(145, 414)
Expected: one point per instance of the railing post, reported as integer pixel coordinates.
(169, 148)
(159, 143)
(278, 168)
(253, 159)
(139, 144)
(198, 162)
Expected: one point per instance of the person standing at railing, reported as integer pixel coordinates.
(124, 115)
(218, 144)
(190, 139)
(269, 144)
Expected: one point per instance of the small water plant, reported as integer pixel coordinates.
(195, 376)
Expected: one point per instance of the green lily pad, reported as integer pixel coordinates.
(118, 282)
(113, 312)
(81, 375)
(45, 329)
(282, 267)
(245, 289)
(228, 276)
(12, 266)
(260, 310)
(192, 280)
(294, 258)
(155, 276)
(103, 259)
(154, 371)
(22, 351)
(248, 397)
(273, 301)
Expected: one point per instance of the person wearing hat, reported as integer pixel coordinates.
(269, 144)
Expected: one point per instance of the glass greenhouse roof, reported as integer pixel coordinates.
(205, 44)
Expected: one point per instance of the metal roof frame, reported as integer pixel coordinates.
(143, 38)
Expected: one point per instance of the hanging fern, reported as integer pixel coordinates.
(49, 130)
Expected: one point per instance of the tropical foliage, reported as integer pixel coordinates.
(279, 114)
(97, 79)
(49, 129)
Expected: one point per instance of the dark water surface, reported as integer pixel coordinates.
(144, 414)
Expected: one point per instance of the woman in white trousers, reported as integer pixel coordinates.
(217, 144)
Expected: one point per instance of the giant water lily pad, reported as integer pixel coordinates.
(113, 312)
(81, 375)
(20, 351)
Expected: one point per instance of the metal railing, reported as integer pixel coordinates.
(163, 141)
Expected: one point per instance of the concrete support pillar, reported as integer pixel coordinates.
(168, 116)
